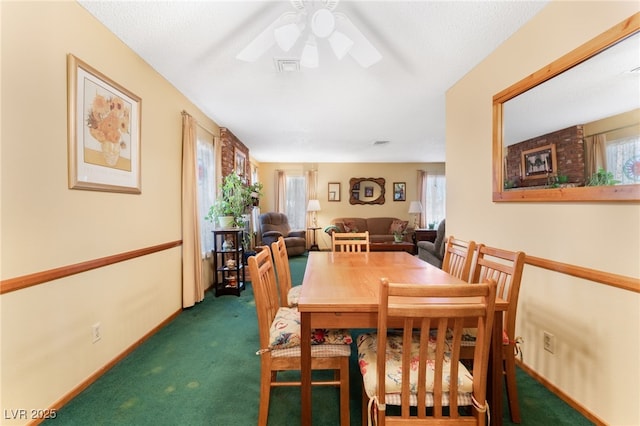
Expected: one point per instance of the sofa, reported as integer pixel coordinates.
(433, 252)
(274, 225)
(380, 228)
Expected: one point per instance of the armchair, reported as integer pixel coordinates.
(433, 252)
(274, 225)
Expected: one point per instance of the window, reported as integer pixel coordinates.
(436, 191)
(623, 159)
(296, 195)
(206, 190)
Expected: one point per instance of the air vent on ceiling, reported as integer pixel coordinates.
(381, 142)
(287, 65)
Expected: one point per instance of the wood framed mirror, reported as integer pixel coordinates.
(525, 119)
(366, 191)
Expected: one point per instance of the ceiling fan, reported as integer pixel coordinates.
(310, 21)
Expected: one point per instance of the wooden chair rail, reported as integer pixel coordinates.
(614, 280)
(24, 281)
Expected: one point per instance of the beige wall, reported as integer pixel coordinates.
(342, 173)
(597, 328)
(46, 329)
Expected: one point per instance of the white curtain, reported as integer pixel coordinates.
(192, 282)
(436, 191)
(422, 197)
(206, 189)
(312, 194)
(281, 184)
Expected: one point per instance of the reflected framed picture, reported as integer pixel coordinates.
(539, 162)
(104, 122)
(240, 162)
(334, 191)
(399, 191)
(368, 191)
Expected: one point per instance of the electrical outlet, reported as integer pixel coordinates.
(548, 342)
(96, 332)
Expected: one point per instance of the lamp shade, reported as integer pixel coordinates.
(313, 206)
(415, 207)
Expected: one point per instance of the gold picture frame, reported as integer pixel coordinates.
(104, 127)
(538, 162)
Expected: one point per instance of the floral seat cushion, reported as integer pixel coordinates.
(285, 332)
(367, 347)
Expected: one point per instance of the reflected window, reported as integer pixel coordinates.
(623, 159)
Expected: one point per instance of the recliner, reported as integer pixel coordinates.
(274, 225)
(433, 252)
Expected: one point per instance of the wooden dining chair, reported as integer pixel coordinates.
(350, 241)
(279, 330)
(288, 295)
(505, 267)
(458, 257)
(411, 358)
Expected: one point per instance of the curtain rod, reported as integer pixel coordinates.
(611, 130)
(211, 132)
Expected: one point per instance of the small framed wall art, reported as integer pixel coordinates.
(104, 123)
(539, 162)
(399, 191)
(240, 162)
(334, 191)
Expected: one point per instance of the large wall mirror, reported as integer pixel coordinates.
(366, 190)
(571, 131)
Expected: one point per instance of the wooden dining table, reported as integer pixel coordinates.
(340, 290)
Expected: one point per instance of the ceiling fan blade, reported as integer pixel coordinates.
(362, 50)
(266, 39)
(331, 4)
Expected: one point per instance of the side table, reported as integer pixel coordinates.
(228, 261)
(425, 235)
(314, 245)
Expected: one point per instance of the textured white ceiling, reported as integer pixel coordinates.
(336, 111)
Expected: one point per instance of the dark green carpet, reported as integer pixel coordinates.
(202, 370)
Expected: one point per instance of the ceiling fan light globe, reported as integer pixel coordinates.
(286, 36)
(323, 23)
(340, 43)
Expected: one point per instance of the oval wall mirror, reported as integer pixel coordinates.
(555, 132)
(366, 191)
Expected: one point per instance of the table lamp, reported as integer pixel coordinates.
(415, 208)
(314, 206)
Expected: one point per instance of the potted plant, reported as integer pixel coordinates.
(236, 198)
(602, 178)
(398, 236)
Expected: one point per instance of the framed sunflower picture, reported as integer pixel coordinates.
(103, 132)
